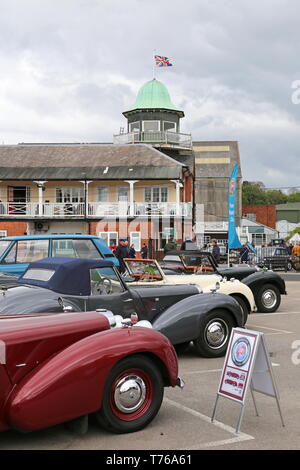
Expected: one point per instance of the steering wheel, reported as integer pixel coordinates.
(104, 286)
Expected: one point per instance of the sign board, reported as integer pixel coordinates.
(246, 365)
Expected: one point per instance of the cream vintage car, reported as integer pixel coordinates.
(143, 272)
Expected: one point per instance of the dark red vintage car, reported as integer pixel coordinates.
(55, 368)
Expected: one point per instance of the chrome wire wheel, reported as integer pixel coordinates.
(216, 333)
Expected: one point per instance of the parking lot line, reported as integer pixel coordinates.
(271, 329)
(238, 437)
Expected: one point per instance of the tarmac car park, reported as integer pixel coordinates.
(181, 312)
(267, 286)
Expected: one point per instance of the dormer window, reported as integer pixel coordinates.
(151, 126)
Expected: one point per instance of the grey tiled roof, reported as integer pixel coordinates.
(85, 161)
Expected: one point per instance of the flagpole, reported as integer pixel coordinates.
(153, 58)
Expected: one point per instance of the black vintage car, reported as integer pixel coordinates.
(267, 286)
(180, 312)
(272, 257)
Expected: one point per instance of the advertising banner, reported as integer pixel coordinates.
(233, 239)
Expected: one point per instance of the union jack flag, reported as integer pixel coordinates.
(161, 61)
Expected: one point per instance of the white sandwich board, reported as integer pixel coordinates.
(247, 365)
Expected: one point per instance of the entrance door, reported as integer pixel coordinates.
(18, 197)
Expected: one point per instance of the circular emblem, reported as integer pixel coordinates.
(240, 352)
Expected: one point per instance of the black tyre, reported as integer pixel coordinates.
(182, 347)
(215, 329)
(244, 306)
(132, 395)
(268, 299)
(289, 266)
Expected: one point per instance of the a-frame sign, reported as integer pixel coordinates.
(247, 365)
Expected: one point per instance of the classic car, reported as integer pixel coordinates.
(17, 252)
(272, 257)
(181, 312)
(61, 368)
(146, 271)
(266, 285)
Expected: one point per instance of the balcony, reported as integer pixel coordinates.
(93, 210)
(157, 139)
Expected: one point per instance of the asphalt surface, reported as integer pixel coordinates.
(184, 421)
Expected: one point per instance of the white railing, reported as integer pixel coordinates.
(93, 209)
(45, 209)
(175, 139)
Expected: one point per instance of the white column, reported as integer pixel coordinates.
(41, 188)
(131, 195)
(178, 186)
(86, 195)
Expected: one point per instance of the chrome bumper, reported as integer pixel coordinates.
(180, 383)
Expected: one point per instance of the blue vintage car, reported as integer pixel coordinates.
(17, 252)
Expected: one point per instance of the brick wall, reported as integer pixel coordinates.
(265, 215)
(14, 228)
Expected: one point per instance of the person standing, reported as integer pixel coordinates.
(122, 252)
(132, 251)
(296, 249)
(144, 251)
(170, 245)
(215, 251)
(244, 253)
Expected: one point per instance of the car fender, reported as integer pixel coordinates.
(256, 280)
(180, 323)
(71, 383)
(236, 287)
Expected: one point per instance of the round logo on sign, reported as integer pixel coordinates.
(240, 352)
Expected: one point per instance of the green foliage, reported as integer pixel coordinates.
(292, 232)
(253, 194)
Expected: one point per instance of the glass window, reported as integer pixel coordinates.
(69, 194)
(31, 250)
(3, 246)
(105, 281)
(151, 126)
(156, 194)
(135, 239)
(39, 274)
(110, 238)
(123, 194)
(10, 258)
(169, 126)
(135, 126)
(102, 194)
(75, 248)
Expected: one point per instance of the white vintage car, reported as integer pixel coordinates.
(143, 272)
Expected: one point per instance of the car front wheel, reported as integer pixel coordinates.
(132, 395)
(268, 299)
(215, 330)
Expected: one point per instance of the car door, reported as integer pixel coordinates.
(110, 292)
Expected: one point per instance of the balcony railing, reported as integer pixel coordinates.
(53, 210)
(168, 139)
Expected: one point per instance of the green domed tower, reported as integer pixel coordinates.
(154, 119)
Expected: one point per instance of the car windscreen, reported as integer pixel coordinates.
(145, 270)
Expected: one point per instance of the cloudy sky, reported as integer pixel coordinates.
(68, 68)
